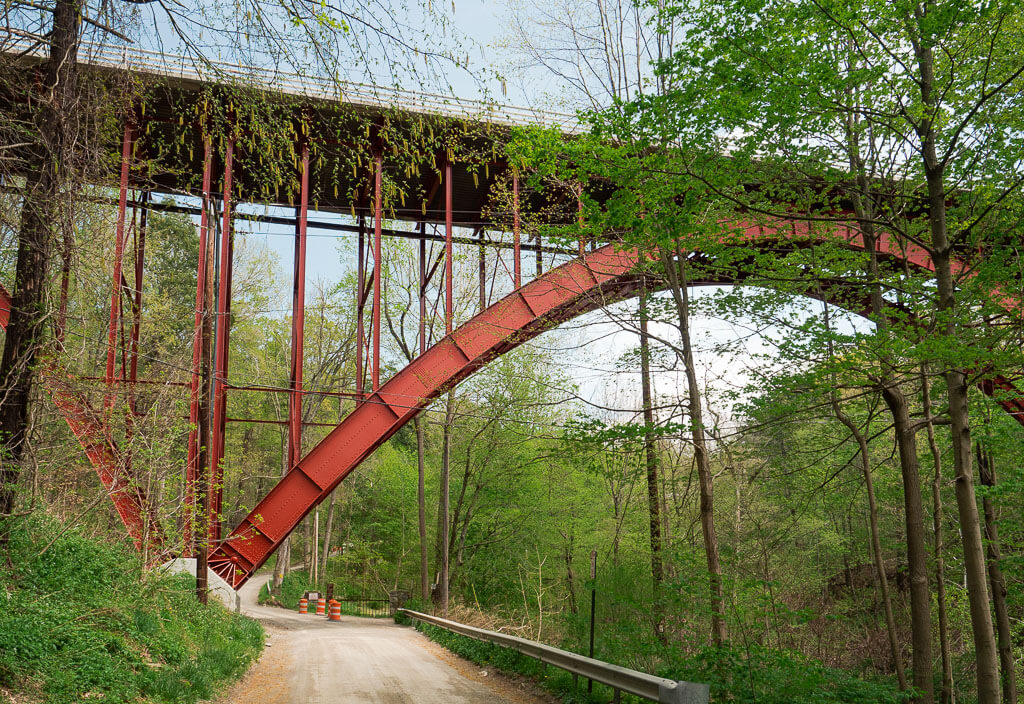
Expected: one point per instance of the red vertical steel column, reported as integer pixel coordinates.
(220, 364)
(192, 467)
(517, 273)
(119, 242)
(448, 304)
(378, 209)
(298, 315)
(140, 257)
(423, 287)
(360, 289)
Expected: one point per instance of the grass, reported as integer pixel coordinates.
(83, 621)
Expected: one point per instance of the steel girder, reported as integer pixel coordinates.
(561, 294)
(130, 499)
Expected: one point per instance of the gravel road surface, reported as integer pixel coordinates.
(310, 660)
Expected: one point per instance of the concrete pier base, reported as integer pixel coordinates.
(217, 586)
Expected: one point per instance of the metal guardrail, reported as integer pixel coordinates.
(129, 58)
(655, 689)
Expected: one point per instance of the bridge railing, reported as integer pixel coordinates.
(129, 58)
(621, 679)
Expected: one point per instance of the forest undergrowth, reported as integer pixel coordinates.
(81, 620)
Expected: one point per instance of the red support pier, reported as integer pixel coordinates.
(298, 313)
(192, 469)
(220, 364)
(378, 208)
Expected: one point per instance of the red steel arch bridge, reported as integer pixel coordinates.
(441, 199)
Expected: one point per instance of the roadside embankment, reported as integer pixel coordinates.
(81, 620)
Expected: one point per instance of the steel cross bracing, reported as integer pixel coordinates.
(591, 280)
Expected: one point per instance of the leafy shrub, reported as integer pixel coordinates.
(413, 604)
(82, 620)
(766, 676)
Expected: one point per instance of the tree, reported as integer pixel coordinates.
(913, 94)
(760, 99)
(600, 53)
(45, 219)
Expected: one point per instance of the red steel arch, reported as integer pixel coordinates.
(584, 284)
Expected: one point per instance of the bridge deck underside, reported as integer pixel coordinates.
(267, 127)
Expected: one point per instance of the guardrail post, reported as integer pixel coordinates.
(685, 693)
(593, 604)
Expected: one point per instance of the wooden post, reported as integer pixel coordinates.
(593, 603)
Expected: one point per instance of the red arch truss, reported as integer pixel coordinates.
(89, 428)
(579, 286)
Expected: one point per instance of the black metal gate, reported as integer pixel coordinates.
(364, 606)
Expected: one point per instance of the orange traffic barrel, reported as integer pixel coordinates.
(321, 606)
(335, 614)
(303, 605)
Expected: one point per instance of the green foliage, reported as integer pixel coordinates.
(754, 675)
(82, 620)
(511, 661)
(293, 586)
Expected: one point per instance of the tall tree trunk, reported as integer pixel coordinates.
(985, 652)
(568, 548)
(875, 548)
(309, 555)
(910, 469)
(421, 504)
(283, 555)
(43, 210)
(326, 552)
(443, 501)
(876, 543)
(1007, 674)
(675, 267)
(650, 446)
(976, 577)
(917, 560)
(314, 556)
(946, 694)
(920, 599)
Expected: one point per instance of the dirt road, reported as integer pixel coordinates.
(313, 661)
